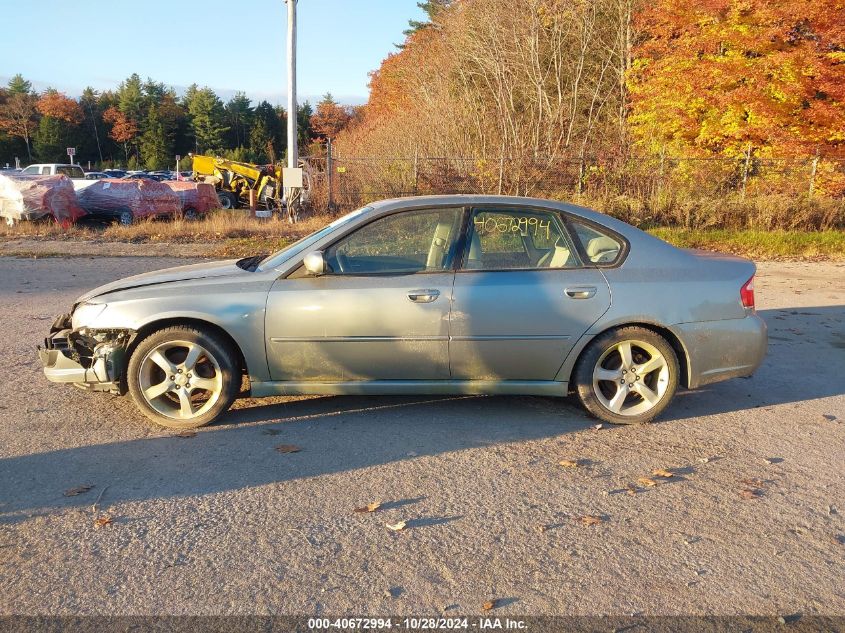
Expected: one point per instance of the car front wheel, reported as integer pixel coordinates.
(183, 377)
(627, 376)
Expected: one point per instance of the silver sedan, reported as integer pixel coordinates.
(431, 295)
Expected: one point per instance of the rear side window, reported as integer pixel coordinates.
(518, 239)
(600, 247)
(45, 171)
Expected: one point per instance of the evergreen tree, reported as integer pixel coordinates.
(19, 86)
(207, 119)
(155, 148)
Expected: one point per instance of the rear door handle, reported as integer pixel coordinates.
(423, 296)
(581, 292)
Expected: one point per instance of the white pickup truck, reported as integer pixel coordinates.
(74, 172)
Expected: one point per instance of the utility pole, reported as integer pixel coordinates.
(292, 191)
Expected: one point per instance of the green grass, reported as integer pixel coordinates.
(759, 244)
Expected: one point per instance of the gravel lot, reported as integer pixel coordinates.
(221, 523)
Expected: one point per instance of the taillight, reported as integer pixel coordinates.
(746, 294)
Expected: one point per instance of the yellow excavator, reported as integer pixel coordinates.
(234, 181)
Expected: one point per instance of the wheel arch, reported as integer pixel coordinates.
(661, 330)
(160, 324)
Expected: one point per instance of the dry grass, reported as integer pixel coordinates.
(216, 226)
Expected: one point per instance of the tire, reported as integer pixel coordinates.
(168, 397)
(126, 217)
(189, 214)
(227, 200)
(610, 381)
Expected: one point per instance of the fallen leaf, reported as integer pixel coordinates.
(748, 493)
(103, 521)
(396, 527)
(542, 528)
(753, 482)
(645, 481)
(704, 460)
(370, 507)
(186, 434)
(631, 489)
(591, 519)
(569, 463)
(287, 448)
(489, 605)
(79, 490)
(270, 432)
(598, 427)
(662, 472)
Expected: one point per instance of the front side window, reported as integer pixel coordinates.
(518, 239)
(30, 171)
(404, 243)
(600, 247)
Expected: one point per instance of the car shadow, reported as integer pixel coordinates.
(333, 434)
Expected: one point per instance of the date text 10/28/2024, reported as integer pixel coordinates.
(417, 624)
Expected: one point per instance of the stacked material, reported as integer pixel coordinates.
(36, 197)
(199, 197)
(144, 198)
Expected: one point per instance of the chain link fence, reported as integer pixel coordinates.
(659, 182)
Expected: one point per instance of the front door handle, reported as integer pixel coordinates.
(423, 296)
(581, 292)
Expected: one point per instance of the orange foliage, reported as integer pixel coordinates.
(329, 119)
(123, 129)
(718, 75)
(58, 106)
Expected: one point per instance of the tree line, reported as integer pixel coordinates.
(145, 124)
(601, 81)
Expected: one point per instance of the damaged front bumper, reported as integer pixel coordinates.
(88, 358)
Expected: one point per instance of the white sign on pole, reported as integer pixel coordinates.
(292, 177)
(70, 152)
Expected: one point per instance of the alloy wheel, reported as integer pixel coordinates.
(180, 379)
(630, 378)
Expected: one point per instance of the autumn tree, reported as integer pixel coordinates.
(123, 130)
(18, 114)
(57, 129)
(719, 76)
(330, 118)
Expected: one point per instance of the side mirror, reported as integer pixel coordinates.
(315, 263)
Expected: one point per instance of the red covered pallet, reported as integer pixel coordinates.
(36, 197)
(197, 197)
(128, 200)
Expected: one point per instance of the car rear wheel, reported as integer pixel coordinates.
(189, 214)
(627, 376)
(182, 377)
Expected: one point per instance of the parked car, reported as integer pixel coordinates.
(433, 295)
(114, 173)
(143, 176)
(74, 172)
(96, 175)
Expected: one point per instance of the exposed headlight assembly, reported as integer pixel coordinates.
(86, 314)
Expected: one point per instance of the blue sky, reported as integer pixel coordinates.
(225, 44)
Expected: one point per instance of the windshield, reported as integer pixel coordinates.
(305, 243)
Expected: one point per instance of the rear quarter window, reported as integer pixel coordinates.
(602, 248)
